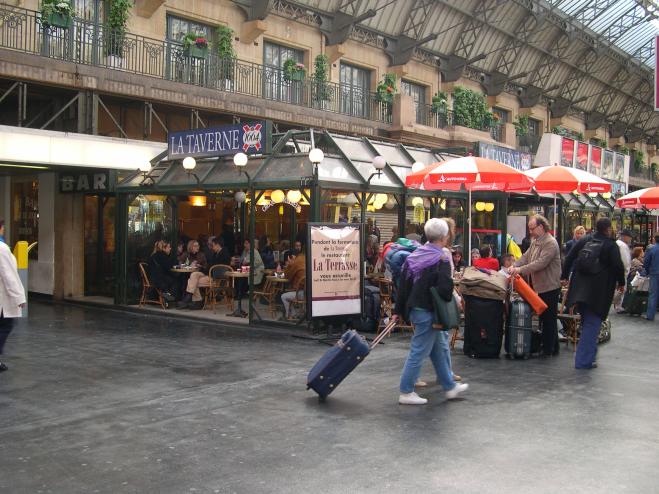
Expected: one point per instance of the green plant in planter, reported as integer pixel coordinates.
(439, 102)
(521, 124)
(320, 78)
(293, 70)
(225, 52)
(195, 46)
(386, 89)
(655, 171)
(56, 13)
(117, 21)
(623, 150)
(639, 164)
(580, 136)
(469, 108)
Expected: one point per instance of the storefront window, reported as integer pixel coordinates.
(25, 211)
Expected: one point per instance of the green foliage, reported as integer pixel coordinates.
(625, 150)
(117, 21)
(50, 7)
(225, 53)
(439, 102)
(193, 39)
(580, 136)
(320, 78)
(293, 70)
(655, 171)
(521, 124)
(387, 88)
(470, 108)
(639, 164)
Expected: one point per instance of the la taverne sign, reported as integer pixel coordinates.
(248, 138)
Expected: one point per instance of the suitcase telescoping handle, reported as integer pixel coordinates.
(385, 332)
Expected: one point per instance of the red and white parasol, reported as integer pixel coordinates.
(562, 179)
(644, 198)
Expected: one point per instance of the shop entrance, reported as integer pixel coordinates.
(99, 245)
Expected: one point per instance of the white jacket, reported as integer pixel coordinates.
(12, 294)
(625, 255)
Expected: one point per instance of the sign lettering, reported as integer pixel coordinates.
(511, 157)
(248, 138)
(92, 183)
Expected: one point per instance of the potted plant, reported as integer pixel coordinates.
(320, 78)
(439, 102)
(195, 46)
(225, 53)
(117, 21)
(580, 136)
(56, 13)
(293, 70)
(470, 108)
(386, 89)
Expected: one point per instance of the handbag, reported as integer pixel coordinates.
(447, 313)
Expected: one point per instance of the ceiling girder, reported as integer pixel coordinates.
(511, 52)
(255, 9)
(628, 20)
(478, 19)
(417, 19)
(592, 10)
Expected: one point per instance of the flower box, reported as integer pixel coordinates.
(63, 21)
(195, 51)
(297, 75)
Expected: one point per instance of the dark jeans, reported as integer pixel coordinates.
(6, 324)
(548, 321)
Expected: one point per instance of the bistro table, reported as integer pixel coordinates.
(234, 275)
(182, 279)
(184, 270)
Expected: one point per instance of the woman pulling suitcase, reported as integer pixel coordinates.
(428, 266)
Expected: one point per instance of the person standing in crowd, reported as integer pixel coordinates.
(295, 272)
(12, 296)
(2, 231)
(594, 278)
(651, 266)
(623, 242)
(426, 267)
(486, 260)
(579, 232)
(541, 263)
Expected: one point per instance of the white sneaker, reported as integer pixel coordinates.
(421, 384)
(411, 399)
(459, 388)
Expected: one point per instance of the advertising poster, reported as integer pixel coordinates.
(582, 156)
(607, 165)
(596, 161)
(335, 270)
(567, 152)
(619, 168)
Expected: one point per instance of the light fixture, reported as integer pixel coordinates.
(442, 204)
(606, 195)
(378, 163)
(480, 206)
(489, 207)
(417, 202)
(281, 210)
(417, 167)
(198, 201)
(189, 163)
(381, 198)
(144, 167)
(240, 197)
(294, 196)
(349, 199)
(240, 159)
(316, 156)
(390, 204)
(592, 194)
(277, 196)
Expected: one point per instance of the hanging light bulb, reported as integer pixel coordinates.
(606, 195)
(381, 198)
(239, 197)
(417, 202)
(277, 196)
(442, 204)
(417, 167)
(489, 207)
(391, 203)
(294, 196)
(480, 206)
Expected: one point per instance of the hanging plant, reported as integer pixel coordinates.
(117, 22)
(293, 70)
(439, 102)
(225, 53)
(320, 78)
(470, 108)
(639, 164)
(386, 89)
(56, 13)
(521, 124)
(624, 150)
(195, 46)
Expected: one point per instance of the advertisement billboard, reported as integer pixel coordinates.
(582, 156)
(596, 161)
(567, 152)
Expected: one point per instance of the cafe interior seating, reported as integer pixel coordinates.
(219, 287)
(299, 304)
(148, 289)
(268, 292)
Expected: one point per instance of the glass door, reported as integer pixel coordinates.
(275, 84)
(99, 245)
(355, 88)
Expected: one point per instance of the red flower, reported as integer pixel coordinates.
(201, 42)
(390, 89)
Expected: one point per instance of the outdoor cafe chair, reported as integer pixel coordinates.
(148, 288)
(218, 287)
(387, 306)
(299, 304)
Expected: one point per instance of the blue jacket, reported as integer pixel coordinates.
(651, 261)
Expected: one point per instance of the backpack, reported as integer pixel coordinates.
(588, 261)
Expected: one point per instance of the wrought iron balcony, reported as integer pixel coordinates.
(90, 43)
(431, 117)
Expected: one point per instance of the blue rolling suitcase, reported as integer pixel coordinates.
(519, 330)
(340, 360)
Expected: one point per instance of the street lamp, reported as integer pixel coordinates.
(316, 156)
(189, 164)
(144, 168)
(240, 161)
(378, 163)
(240, 197)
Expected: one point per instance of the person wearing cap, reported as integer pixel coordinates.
(624, 241)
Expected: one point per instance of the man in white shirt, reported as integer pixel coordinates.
(624, 241)
(12, 295)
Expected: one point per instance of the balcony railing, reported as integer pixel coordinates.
(89, 43)
(425, 115)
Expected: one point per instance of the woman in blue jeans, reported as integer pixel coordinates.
(426, 267)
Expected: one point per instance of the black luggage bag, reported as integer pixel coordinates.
(519, 330)
(340, 360)
(635, 302)
(483, 327)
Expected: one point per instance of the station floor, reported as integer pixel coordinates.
(102, 401)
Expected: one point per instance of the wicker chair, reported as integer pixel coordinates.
(218, 286)
(300, 302)
(147, 288)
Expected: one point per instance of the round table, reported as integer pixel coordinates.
(234, 275)
(184, 270)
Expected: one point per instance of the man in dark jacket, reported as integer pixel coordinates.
(592, 286)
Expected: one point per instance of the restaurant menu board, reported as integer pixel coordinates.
(335, 270)
(582, 156)
(567, 152)
(596, 161)
(607, 165)
(619, 168)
